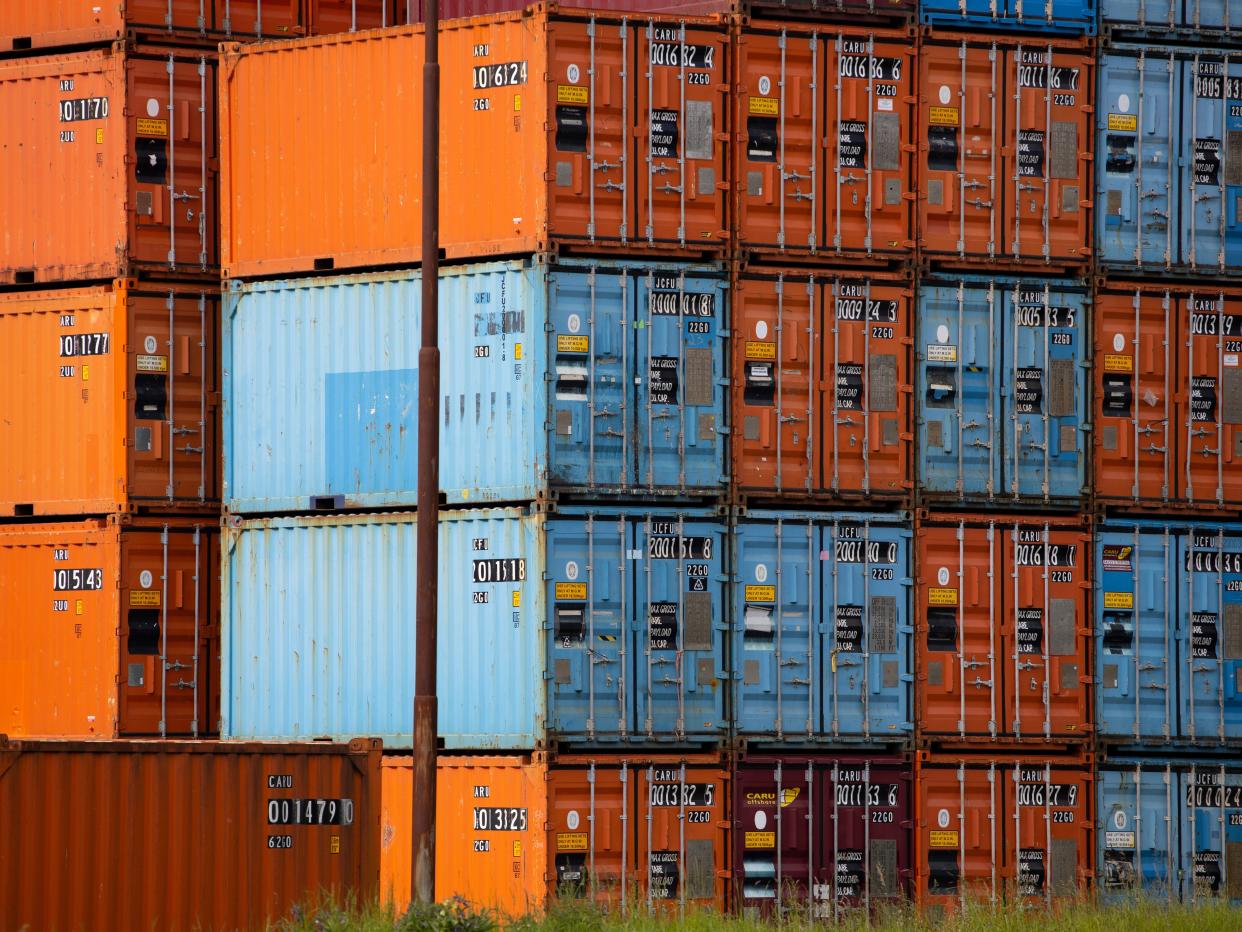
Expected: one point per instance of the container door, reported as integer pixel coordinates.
(960, 825)
(959, 342)
(960, 599)
(1158, 13)
(1210, 634)
(590, 679)
(280, 19)
(680, 121)
(864, 823)
(1136, 835)
(864, 590)
(1136, 391)
(680, 381)
(678, 636)
(682, 836)
(777, 862)
(592, 445)
(961, 171)
(776, 638)
(1047, 849)
(1212, 834)
(779, 119)
(1047, 396)
(591, 88)
(1061, 15)
(332, 16)
(590, 820)
(1211, 428)
(866, 436)
(1136, 631)
(1205, 103)
(1139, 113)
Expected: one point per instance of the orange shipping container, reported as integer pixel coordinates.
(824, 128)
(107, 165)
(559, 130)
(181, 835)
(110, 395)
(514, 832)
(109, 628)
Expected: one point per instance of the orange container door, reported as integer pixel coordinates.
(960, 834)
(1048, 851)
(866, 431)
(589, 833)
(961, 166)
(1045, 632)
(960, 621)
(1047, 165)
(272, 18)
(681, 130)
(776, 390)
(396, 828)
(778, 130)
(1135, 358)
(1210, 422)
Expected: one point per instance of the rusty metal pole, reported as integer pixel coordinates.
(423, 884)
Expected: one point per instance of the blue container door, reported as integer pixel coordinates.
(776, 639)
(1211, 14)
(678, 644)
(1210, 634)
(679, 374)
(1205, 112)
(1158, 13)
(1139, 114)
(959, 354)
(1136, 832)
(1136, 650)
(863, 616)
(974, 13)
(587, 601)
(589, 349)
(1045, 395)
(1211, 833)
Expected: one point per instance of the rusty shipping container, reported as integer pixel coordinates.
(1003, 630)
(561, 131)
(1003, 828)
(1168, 389)
(824, 10)
(1005, 167)
(110, 399)
(515, 833)
(821, 385)
(183, 835)
(824, 122)
(110, 628)
(107, 165)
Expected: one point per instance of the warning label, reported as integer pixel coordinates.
(1123, 122)
(152, 363)
(571, 590)
(1118, 839)
(942, 597)
(1119, 600)
(760, 350)
(764, 106)
(760, 593)
(144, 598)
(148, 127)
(571, 841)
(760, 840)
(568, 94)
(1115, 363)
(943, 116)
(941, 352)
(568, 343)
(943, 840)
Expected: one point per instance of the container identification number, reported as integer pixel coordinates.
(499, 819)
(77, 580)
(511, 569)
(1034, 554)
(83, 108)
(683, 54)
(310, 812)
(508, 74)
(673, 547)
(676, 795)
(1032, 315)
(866, 794)
(85, 344)
(1043, 76)
(1050, 794)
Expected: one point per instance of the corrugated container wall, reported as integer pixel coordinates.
(1171, 19)
(828, 9)
(613, 133)
(1068, 17)
(107, 165)
(109, 398)
(601, 379)
(110, 628)
(183, 835)
(605, 627)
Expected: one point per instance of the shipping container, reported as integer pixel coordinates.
(1005, 167)
(818, 10)
(821, 835)
(1068, 17)
(1003, 643)
(107, 165)
(515, 834)
(1002, 387)
(1169, 396)
(183, 835)
(1169, 633)
(587, 379)
(630, 156)
(110, 399)
(822, 630)
(1175, 21)
(121, 641)
(1003, 828)
(1170, 830)
(824, 141)
(601, 626)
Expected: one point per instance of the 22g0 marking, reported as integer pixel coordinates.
(699, 816)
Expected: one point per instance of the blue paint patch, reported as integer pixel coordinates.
(370, 428)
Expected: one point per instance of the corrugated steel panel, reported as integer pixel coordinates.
(1068, 17)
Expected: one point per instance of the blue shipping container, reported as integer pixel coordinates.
(1170, 830)
(608, 377)
(1065, 17)
(1169, 632)
(1002, 387)
(600, 626)
(822, 632)
(1188, 18)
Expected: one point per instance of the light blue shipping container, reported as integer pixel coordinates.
(585, 626)
(1002, 390)
(1181, 19)
(599, 378)
(822, 629)
(1067, 17)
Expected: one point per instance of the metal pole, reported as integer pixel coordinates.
(422, 889)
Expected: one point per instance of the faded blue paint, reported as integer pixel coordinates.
(1154, 13)
(822, 638)
(1069, 17)
(370, 428)
(1211, 107)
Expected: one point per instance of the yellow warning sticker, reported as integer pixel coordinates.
(517, 350)
(334, 846)
(1115, 363)
(568, 94)
(571, 590)
(152, 363)
(941, 352)
(941, 596)
(943, 840)
(517, 598)
(517, 849)
(517, 103)
(756, 350)
(566, 343)
(765, 106)
(148, 127)
(86, 373)
(760, 593)
(571, 841)
(77, 607)
(1119, 600)
(1123, 122)
(144, 597)
(943, 116)
(761, 839)
(99, 137)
